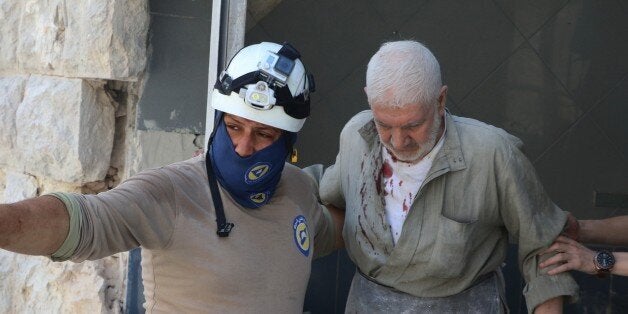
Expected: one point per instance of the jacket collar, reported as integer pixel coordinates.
(369, 132)
(451, 154)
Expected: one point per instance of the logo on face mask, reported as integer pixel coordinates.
(258, 198)
(256, 172)
(301, 235)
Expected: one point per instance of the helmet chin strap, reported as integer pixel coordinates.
(223, 226)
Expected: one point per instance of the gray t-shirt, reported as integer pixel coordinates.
(263, 266)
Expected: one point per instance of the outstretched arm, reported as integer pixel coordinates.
(36, 226)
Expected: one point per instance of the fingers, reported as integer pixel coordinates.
(563, 262)
(569, 257)
(566, 240)
(558, 246)
(560, 269)
(561, 244)
(556, 259)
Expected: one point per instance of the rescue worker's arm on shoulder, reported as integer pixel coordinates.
(36, 226)
(333, 215)
(330, 194)
(338, 217)
(331, 189)
(534, 221)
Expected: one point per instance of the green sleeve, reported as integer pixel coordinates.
(74, 234)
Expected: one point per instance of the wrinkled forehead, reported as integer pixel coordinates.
(402, 115)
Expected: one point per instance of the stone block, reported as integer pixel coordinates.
(47, 186)
(80, 39)
(65, 130)
(2, 186)
(9, 24)
(19, 187)
(11, 94)
(33, 284)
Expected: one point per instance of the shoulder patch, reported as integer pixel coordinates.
(301, 235)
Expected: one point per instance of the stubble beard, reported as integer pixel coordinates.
(424, 148)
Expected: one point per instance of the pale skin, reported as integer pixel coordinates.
(408, 133)
(38, 226)
(574, 256)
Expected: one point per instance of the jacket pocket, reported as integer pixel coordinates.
(451, 248)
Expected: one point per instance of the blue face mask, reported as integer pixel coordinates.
(251, 180)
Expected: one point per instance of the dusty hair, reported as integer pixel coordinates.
(405, 70)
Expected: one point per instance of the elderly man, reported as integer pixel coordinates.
(231, 232)
(431, 199)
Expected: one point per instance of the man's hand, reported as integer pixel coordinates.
(570, 255)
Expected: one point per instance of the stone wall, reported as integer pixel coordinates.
(70, 75)
(72, 38)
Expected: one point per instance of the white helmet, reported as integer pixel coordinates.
(266, 83)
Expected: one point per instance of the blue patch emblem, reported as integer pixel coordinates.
(255, 173)
(301, 235)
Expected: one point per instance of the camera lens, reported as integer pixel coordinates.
(284, 65)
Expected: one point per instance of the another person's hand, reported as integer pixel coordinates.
(570, 255)
(572, 227)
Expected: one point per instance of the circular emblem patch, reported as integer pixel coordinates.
(301, 235)
(258, 198)
(256, 172)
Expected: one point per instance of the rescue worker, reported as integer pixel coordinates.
(233, 231)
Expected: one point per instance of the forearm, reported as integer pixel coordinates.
(338, 216)
(554, 305)
(36, 226)
(610, 231)
(621, 264)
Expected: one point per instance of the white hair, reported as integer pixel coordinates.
(401, 73)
